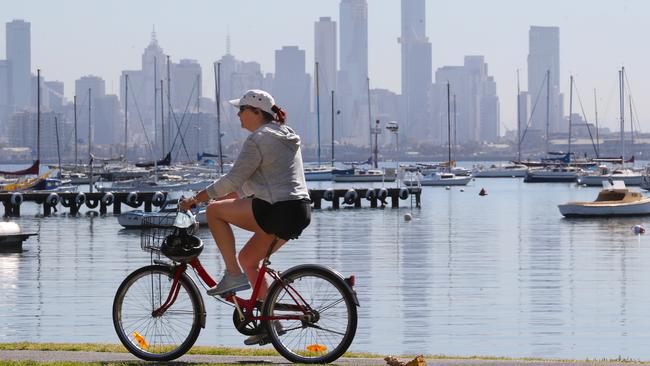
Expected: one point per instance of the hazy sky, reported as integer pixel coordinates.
(72, 38)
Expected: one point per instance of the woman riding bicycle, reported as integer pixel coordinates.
(264, 192)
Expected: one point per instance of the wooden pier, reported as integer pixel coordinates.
(377, 197)
(75, 200)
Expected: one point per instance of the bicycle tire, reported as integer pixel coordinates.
(154, 344)
(298, 340)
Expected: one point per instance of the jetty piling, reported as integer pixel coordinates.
(75, 200)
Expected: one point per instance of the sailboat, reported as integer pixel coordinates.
(604, 173)
(442, 176)
(564, 172)
(320, 172)
(508, 170)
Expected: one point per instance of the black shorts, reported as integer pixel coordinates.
(286, 219)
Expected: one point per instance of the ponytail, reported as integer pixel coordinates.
(280, 113)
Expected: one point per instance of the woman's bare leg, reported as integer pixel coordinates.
(220, 214)
(251, 256)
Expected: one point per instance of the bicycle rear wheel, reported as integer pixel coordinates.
(156, 338)
(327, 311)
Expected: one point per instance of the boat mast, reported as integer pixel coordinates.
(369, 118)
(318, 112)
(376, 150)
(449, 125)
(58, 146)
(198, 117)
(596, 121)
(455, 143)
(621, 85)
(162, 118)
(217, 92)
(90, 155)
(76, 140)
(518, 120)
(570, 112)
(38, 114)
(126, 112)
(169, 102)
(155, 107)
(548, 106)
(332, 128)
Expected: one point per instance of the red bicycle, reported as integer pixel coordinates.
(309, 314)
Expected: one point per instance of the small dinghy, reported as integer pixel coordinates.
(12, 237)
(613, 200)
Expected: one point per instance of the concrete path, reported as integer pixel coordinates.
(54, 356)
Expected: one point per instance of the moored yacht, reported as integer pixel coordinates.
(613, 200)
(553, 174)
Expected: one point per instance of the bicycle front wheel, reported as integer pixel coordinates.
(156, 337)
(324, 315)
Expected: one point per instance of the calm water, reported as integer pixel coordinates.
(500, 275)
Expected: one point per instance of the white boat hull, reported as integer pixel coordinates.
(582, 209)
(440, 182)
(362, 178)
(134, 219)
(597, 180)
(501, 172)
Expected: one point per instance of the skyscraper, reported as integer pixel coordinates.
(19, 56)
(97, 86)
(353, 74)
(5, 94)
(325, 55)
(416, 67)
(291, 89)
(477, 103)
(543, 58)
(186, 84)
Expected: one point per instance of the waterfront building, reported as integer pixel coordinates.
(18, 52)
(416, 69)
(106, 120)
(236, 77)
(22, 132)
(55, 96)
(6, 103)
(186, 84)
(477, 103)
(199, 135)
(543, 57)
(144, 94)
(325, 54)
(291, 90)
(352, 82)
(97, 86)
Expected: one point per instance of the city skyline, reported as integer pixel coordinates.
(597, 37)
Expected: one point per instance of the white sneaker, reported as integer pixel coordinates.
(230, 283)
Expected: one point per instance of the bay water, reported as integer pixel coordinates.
(499, 275)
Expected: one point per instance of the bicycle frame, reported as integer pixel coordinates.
(244, 306)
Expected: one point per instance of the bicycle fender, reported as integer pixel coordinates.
(195, 288)
(336, 273)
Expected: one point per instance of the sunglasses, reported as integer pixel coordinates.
(245, 107)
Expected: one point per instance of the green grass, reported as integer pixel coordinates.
(230, 351)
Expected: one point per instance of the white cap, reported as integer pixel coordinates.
(256, 98)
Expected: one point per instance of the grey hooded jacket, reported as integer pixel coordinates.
(268, 166)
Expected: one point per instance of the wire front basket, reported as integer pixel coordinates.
(154, 231)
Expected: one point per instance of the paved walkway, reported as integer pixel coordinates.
(55, 356)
